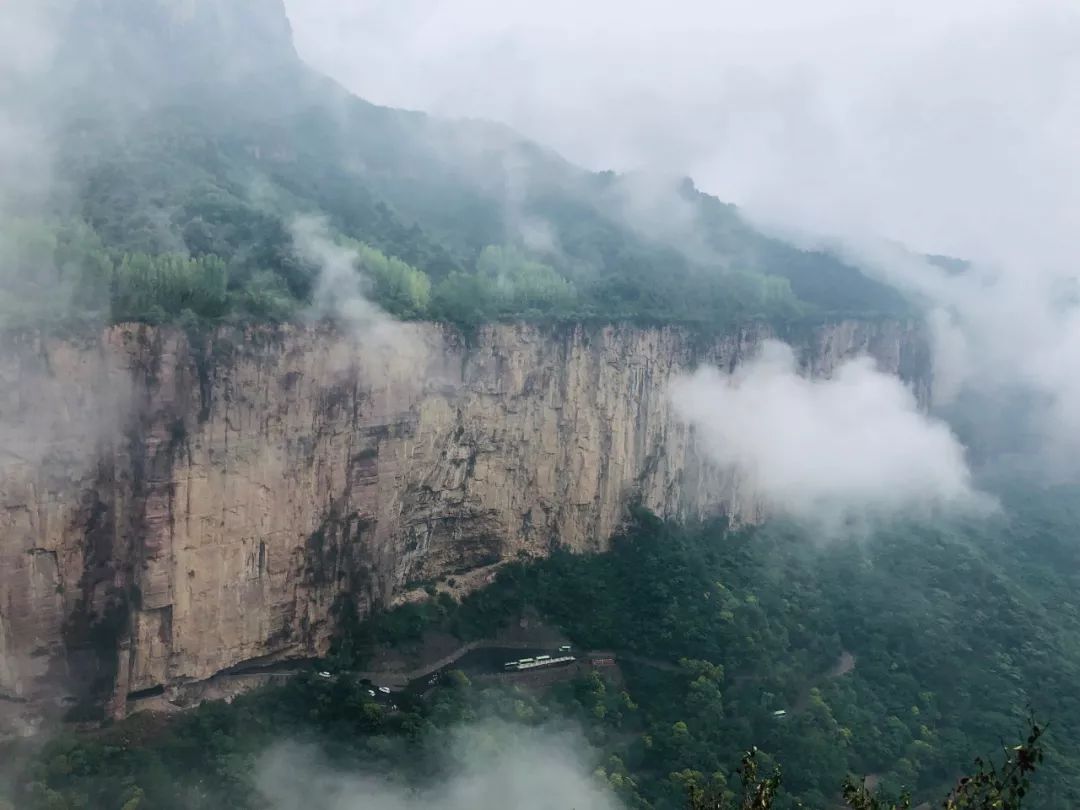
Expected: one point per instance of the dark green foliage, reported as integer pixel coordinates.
(265, 296)
(715, 631)
(402, 290)
(219, 173)
(208, 757)
(757, 793)
(990, 787)
(954, 630)
(1004, 785)
(162, 287)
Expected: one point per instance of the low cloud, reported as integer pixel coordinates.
(384, 351)
(341, 296)
(852, 446)
(1006, 341)
(486, 766)
(341, 292)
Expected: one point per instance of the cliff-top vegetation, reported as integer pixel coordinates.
(161, 200)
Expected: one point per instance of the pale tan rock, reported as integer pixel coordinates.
(171, 511)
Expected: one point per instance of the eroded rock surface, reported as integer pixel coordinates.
(171, 510)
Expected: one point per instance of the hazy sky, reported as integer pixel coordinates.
(949, 125)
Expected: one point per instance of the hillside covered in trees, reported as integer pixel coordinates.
(179, 159)
(750, 622)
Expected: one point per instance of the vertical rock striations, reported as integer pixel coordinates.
(172, 509)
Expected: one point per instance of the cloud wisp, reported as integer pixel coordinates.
(852, 446)
(489, 765)
(340, 290)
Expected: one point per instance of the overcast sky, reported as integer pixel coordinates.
(952, 126)
(949, 124)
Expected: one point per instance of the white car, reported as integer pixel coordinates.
(371, 692)
(385, 690)
(325, 675)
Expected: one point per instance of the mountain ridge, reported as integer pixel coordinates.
(208, 137)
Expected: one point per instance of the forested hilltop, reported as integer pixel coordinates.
(166, 195)
(897, 659)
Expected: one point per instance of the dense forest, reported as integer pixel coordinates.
(953, 634)
(217, 256)
(179, 193)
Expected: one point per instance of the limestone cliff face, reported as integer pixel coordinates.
(170, 510)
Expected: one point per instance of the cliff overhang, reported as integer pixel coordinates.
(177, 505)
